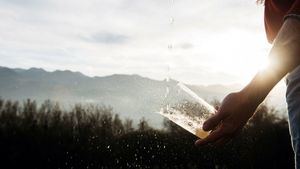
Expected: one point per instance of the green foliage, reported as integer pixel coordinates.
(92, 136)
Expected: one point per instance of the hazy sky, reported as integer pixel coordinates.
(210, 41)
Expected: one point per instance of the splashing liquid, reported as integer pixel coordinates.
(185, 108)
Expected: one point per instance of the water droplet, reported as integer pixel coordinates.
(168, 108)
(167, 92)
(171, 20)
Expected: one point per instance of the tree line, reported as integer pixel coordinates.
(92, 136)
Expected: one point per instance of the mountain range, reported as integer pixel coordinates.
(131, 96)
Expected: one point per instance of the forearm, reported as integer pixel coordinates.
(259, 87)
(284, 57)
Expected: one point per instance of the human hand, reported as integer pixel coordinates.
(233, 114)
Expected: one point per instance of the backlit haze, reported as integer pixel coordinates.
(201, 41)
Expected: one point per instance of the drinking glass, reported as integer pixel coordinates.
(185, 108)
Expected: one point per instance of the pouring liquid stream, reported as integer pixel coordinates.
(181, 105)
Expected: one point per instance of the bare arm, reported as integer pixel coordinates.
(284, 57)
(237, 108)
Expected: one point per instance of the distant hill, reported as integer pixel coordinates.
(131, 96)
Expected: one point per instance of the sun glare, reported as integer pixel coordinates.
(239, 53)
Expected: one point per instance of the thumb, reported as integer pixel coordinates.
(212, 122)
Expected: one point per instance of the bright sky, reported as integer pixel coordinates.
(213, 41)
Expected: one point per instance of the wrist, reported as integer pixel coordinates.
(260, 86)
(250, 97)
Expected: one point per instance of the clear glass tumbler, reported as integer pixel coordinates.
(185, 108)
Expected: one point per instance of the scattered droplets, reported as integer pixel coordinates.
(170, 46)
(155, 136)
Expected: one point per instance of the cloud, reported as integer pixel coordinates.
(101, 37)
(186, 46)
(22, 2)
(107, 38)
